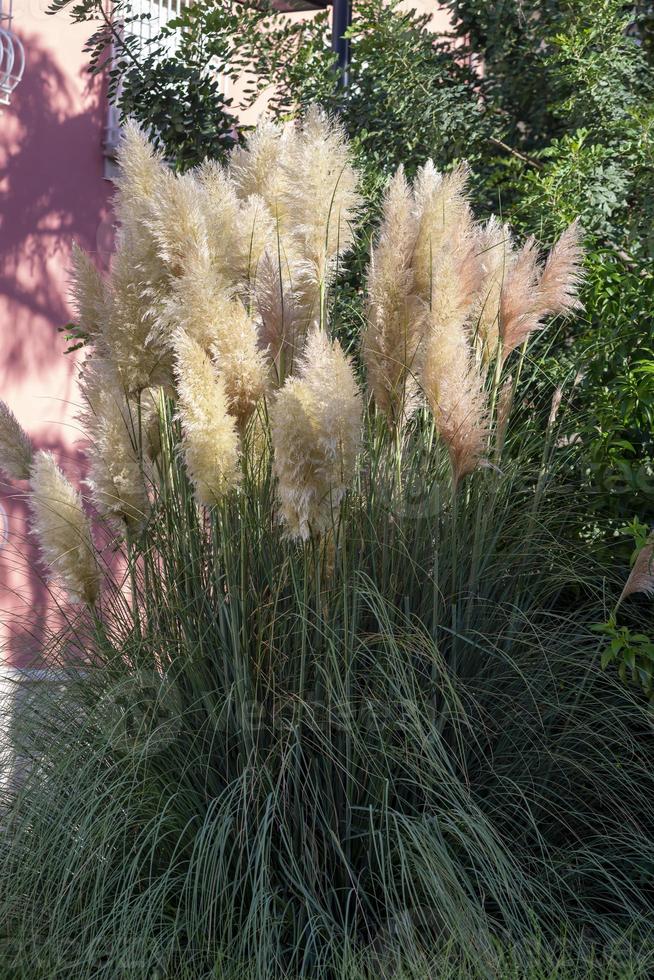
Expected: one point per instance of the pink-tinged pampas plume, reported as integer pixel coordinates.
(641, 577)
(210, 441)
(63, 530)
(116, 428)
(495, 250)
(444, 219)
(316, 432)
(453, 386)
(531, 293)
(15, 446)
(395, 317)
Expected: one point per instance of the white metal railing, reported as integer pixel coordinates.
(12, 54)
(150, 17)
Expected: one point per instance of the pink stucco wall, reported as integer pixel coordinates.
(52, 193)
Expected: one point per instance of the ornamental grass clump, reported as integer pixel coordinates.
(334, 708)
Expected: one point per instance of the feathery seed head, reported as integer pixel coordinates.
(130, 336)
(210, 441)
(454, 387)
(518, 316)
(258, 168)
(15, 446)
(316, 432)
(63, 530)
(444, 220)
(531, 292)
(641, 577)
(558, 290)
(495, 249)
(116, 462)
(319, 210)
(395, 317)
(141, 170)
(177, 223)
(88, 293)
(239, 360)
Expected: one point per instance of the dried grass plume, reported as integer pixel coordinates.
(63, 530)
(210, 441)
(316, 432)
(15, 446)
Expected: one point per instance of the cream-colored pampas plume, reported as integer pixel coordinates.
(258, 169)
(280, 332)
(222, 209)
(444, 219)
(210, 441)
(240, 362)
(129, 337)
(395, 317)
(88, 292)
(177, 221)
(454, 388)
(316, 432)
(495, 249)
(255, 233)
(140, 172)
(238, 231)
(15, 446)
(641, 577)
(319, 201)
(139, 277)
(116, 429)
(63, 530)
(216, 321)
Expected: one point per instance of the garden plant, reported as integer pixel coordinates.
(329, 701)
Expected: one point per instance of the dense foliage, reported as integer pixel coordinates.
(330, 703)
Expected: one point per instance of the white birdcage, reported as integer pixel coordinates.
(12, 54)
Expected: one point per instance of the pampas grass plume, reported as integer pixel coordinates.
(319, 196)
(316, 432)
(88, 293)
(63, 530)
(240, 362)
(116, 462)
(15, 446)
(454, 388)
(395, 319)
(444, 218)
(641, 577)
(210, 441)
(530, 293)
